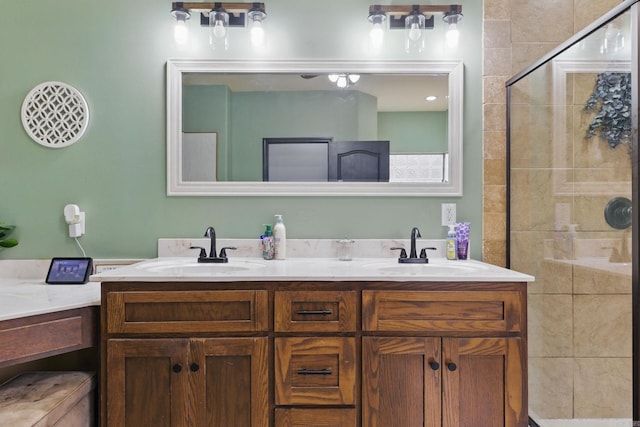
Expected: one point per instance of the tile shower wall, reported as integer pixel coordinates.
(516, 33)
(579, 313)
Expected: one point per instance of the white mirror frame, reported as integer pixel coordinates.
(177, 187)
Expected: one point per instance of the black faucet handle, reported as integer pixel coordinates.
(403, 252)
(223, 251)
(203, 252)
(423, 251)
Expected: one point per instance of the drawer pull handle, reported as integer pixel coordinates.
(177, 368)
(194, 367)
(434, 365)
(452, 366)
(314, 371)
(312, 312)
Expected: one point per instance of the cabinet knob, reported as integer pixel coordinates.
(177, 368)
(434, 365)
(194, 367)
(452, 366)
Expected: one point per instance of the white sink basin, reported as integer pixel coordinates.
(436, 267)
(191, 267)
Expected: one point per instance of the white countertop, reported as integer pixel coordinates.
(182, 269)
(29, 297)
(24, 293)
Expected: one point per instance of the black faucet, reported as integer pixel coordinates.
(211, 234)
(213, 257)
(415, 233)
(413, 253)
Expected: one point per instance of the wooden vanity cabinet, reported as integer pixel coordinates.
(316, 361)
(458, 358)
(322, 354)
(179, 358)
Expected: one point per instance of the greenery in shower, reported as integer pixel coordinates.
(5, 231)
(611, 99)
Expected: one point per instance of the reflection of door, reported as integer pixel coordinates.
(362, 161)
(294, 159)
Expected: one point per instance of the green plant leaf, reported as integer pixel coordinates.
(8, 243)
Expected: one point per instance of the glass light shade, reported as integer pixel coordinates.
(453, 34)
(414, 25)
(342, 81)
(181, 33)
(180, 29)
(353, 78)
(333, 77)
(218, 24)
(256, 30)
(376, 34)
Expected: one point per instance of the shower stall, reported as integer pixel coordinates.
(572, 164)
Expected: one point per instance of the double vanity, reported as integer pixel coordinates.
(313, 342)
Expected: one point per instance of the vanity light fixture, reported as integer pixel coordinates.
(414, 19)
(219, 17)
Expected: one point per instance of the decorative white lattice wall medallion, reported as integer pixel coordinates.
(55, 114)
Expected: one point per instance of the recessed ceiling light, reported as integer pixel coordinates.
(431, 98)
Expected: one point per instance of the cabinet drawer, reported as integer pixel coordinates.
(311, 311)
(187, 311)
(442, 311)
(315, 371)
(317, 417)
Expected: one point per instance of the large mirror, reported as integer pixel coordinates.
(274, 127)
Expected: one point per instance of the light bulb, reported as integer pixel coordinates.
(333, 77)
(218, 29)
(353, 78)
(414, 32)
(376, 35)
(453, 35)
(342, 82)
(257, 34)
(181, 33)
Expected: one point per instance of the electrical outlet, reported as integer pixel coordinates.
(448, 213)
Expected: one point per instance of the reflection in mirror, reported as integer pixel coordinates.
(232, 108)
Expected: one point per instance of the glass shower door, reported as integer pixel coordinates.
(570, 208)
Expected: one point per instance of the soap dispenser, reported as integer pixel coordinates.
(279, 238)
(267, 242)
(452, 243)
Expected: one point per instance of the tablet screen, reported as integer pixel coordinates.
(69, 270)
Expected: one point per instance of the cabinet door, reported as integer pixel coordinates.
(229, 382)
(147, 382)
(401, 380)
(483, 384)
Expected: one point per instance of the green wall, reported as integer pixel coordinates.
(257, 115)
(116, 56)
(414, 132)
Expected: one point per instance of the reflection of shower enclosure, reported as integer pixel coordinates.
(573, 201)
